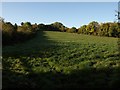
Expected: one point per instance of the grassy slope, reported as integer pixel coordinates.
(86, 60)
(49, 37)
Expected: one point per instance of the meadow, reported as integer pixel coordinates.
(62, 60)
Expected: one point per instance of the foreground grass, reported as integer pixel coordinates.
(62, 60)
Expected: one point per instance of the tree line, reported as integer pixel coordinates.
(18, 33)
(12, 34)
(108, 29)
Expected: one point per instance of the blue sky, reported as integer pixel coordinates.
(69, 13)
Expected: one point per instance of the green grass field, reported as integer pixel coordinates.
(62, 60)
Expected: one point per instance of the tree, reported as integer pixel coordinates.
(104, 29)
(25, 28)
(59, 26)
(92, 28)
(113, 30)
(8, 28)
(73, 30)
(15, 26)
(22, 23)
(82, 29)
(8, 32)
(41, 26)
(27, 24)
(1, 19)
(35, 27)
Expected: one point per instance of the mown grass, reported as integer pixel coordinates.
(62, 60)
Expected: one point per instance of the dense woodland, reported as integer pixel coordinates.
(18, 33)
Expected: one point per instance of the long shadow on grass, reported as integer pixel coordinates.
(17, 72)
(119, 46)
(25, 77)
(30, 48)
(119, 40)
(86, 78)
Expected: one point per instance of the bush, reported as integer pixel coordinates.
(12, 34)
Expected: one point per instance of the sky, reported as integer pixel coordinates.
(59, 0)
(71, 14)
